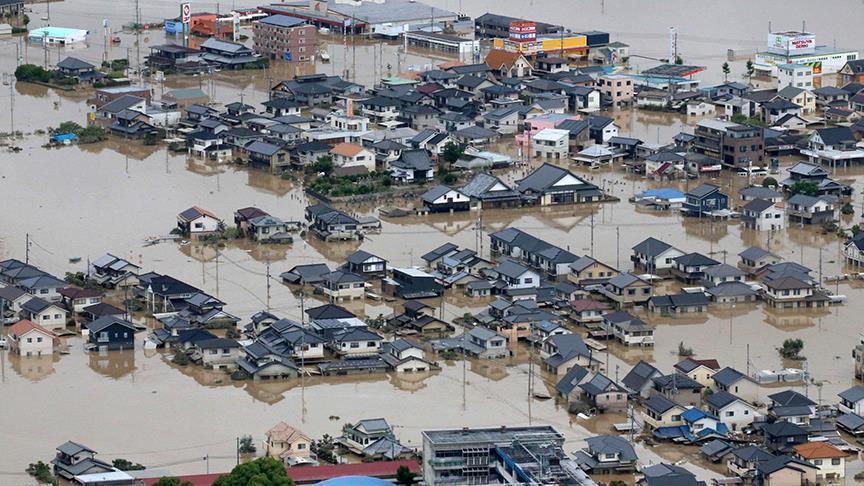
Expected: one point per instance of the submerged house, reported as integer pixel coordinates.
(551, 185)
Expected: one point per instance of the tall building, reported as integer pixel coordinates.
(734, 144)
(286, 38)
(505, 455)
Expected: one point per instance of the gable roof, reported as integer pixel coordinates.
(853, 395)
(652, 247)
(499, 57)
(24, 326)
(107, 321)
(639, 376)
(571, 380)
(74, 63)
(660, 404)
(720, 399)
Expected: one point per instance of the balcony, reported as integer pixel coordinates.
(447, 462)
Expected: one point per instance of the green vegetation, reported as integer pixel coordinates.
(448, 354)
(791, 349)
(153, 138)
(247, 445)
(324, 449)
(166, 481)
(750, 69)
(684, 350)
(32, 72)
(847, 209)
(769, 182)
(181, 359)
(264, 471)
(452, 152)
(91, 134)
(808, 188)
(41, 472)
(744, 120)
(374, 182)
(127, 465)
(405, 476)
(324, 165)
(726, 70)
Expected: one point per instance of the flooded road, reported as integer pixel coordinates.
(85, 201)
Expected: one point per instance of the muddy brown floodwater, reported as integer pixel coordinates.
(85, 201)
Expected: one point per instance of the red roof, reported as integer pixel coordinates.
(24, 326)
(314, 474)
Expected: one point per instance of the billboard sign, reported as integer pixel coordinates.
(791, 43)
(185, 13)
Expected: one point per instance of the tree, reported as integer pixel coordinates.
(324, 449)
(68, 127)
(769, 182)
(32, 72)
(679, 60)
(127, 465)
(41, 472)
(405, 476)
(791, 349)
(166, 481)
(323, 165)
(25, 20)
(452, 152)
(726, 70)
(808, 188)
(750, 70)
(247, 445)
(684, 350)
(264, 471)
(92, 134)
(847, 209)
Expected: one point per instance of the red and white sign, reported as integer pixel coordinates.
(185, 13)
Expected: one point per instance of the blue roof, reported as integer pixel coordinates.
(662, 193)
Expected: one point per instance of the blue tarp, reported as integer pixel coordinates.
(663, 194)
(63, 137)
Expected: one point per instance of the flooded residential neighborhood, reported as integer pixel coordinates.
(515, 242)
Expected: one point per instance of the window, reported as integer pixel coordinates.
(817, 462)
(355, 345)
(39, 339)
(730, 413)
(29, 340)
(835, 461)
(370, 344)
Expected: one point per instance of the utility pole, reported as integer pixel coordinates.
(12, 104)
(268, 283)
(27, 249)
(592, 234)
(238, 451)
(617, 247)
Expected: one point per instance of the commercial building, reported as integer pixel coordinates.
(465, 48)
(794, 47)
(503, 455)
(283, 37)
(489, 25)
(57, 35)
(389, 18)
(524, 39)
(733, 144)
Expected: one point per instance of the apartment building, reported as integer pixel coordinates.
(286, 38)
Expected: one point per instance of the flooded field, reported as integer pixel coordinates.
(85, 201)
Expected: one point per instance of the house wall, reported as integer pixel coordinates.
(363, 348)
(742, 415)
(828, 470)
(221, 358)
(746, 390)
(204, 224)
(52, 318)
(791, 477)
(33, 343)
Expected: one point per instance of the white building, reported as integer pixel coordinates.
(764, 215)
(800, 48)
(29, 339)
(795, 75)
(351, 155)
(57, 35)
(551, 143)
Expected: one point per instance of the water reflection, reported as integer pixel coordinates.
(112, 364)
(33, 368)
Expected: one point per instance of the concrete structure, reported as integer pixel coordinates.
(57, 35)
(617, 88)
(286, 38)
(551, 143)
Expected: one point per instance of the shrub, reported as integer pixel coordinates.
(792, 348)
(32, 72)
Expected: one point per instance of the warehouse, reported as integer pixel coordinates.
(57, 35)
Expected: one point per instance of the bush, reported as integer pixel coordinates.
(324, 449)
(847, 209)
(804, 187)
(166, 481)
(32, 72)
(684, 351)
(264, 471)
(127, 465)
(41, 472)
(92, 134)
(769, 182)
(180, 358)
(791, 349)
